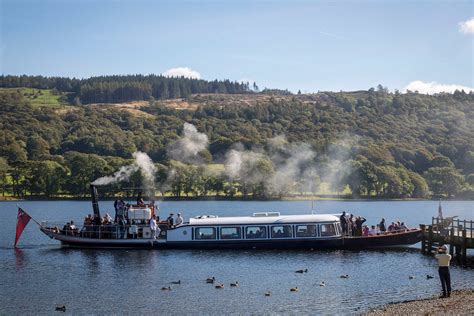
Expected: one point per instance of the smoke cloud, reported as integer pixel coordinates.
(188, 147)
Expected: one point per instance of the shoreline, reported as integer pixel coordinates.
(461, 302)
(239, 198)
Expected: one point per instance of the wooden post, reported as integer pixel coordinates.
(451, 241)
(423, 238)
(464, 247)
(430, 238)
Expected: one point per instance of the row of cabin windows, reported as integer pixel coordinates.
(258, 232)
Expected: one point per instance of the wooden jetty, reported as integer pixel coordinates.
(457, 234)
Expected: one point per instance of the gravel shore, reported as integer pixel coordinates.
(460, 303)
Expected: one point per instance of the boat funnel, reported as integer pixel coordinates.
(95, 200)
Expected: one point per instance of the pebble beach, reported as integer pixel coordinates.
(461, 302)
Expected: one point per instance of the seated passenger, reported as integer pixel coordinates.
(107, 219)
(170, 220)
(72, 226)
(403, 227)
(391, 228)
(372, 231)
(66, 228)
(179, 220)
(365, 231)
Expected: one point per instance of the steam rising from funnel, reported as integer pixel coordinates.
(147, 168)
(188, 147)
(142, 162)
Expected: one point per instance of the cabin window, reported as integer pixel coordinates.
(231, 233)
(252, 232)
(328, 230)
(281, 231)
(306, 231)
(204, 233)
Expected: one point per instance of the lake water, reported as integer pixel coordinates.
(41, 274)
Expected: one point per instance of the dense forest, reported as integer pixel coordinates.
(370, 144)
(111, 89)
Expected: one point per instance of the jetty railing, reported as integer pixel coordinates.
(457, 233)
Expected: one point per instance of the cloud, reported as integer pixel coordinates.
(182, 72)
(434, 87)
(467, 27)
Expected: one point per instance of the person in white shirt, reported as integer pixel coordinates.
(179, 220)
(154, 227)
(372, 231)
(443, 262)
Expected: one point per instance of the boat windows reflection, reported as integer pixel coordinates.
(327, 230)
(231, 233)
(205, 233)
(281, 231)
(306, 231)
(252, 232)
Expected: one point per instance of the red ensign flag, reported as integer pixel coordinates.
(22, 220)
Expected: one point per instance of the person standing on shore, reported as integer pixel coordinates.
(443, 262)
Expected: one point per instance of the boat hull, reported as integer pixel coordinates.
(381, 241)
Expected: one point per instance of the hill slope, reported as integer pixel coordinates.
(387, 145)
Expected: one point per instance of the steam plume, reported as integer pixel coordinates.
(188, 147)
(142, 162)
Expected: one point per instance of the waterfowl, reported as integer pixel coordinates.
(344, 276)
(176, 282)
(236, 284)
(322, 284)
(210, 280)
(220, 286)
(61, 308)
(429, 277)
(301, 271)
(294, 289)
(411, 277)
(268, 293)
(166, 288)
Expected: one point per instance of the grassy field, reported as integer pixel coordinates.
(41, 97)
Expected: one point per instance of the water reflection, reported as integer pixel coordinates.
(19, 258)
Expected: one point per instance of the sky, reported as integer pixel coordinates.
(297, 45)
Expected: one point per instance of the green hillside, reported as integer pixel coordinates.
(366, 143)
(40, 97)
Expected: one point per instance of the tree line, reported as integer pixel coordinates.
(115, 89)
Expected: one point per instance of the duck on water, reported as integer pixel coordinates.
(135, 226)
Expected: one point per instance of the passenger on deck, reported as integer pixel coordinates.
(72, 226)
(351, 225)
(119, 206)
(358, 225)
(372, 231)
(107, 219)
(403, 227)
(140, 201)
(67, 227)
(382, 227)
(343, 220)
(365, 231)
(97, 220)
(153, 227)
(170, 220)
(179, 220)
(392, 227)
